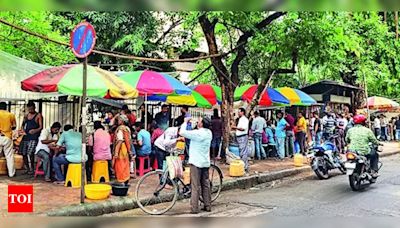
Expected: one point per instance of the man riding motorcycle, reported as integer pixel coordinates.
(359, 137)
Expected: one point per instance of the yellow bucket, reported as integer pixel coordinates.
(18, 161)
(298, 160)
(236, 168)
(180, 145)
(97, 191)
(3, 166)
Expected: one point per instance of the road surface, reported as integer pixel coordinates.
(304, 195)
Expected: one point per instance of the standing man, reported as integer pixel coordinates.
(301, 126)
(317, 130)
(216, 128)
(143, 140)
(397, 127)
(165, 143)
(32, 126)
(184, 113)
(242, 130)
(377, 127)
(280, 135)
(199, 160)
(258, 126)
(289, 140)
(47, 137)
(384, 126)
(162, 118)
(7, 125)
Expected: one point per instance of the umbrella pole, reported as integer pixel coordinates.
(145, 111)
(83, 172)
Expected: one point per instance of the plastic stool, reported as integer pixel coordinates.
(99, 171)
(37, 170)
(155, 164)
(141, 170)
(73, 177)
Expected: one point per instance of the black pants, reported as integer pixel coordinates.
(301, 138)
(160, 156)
(200, 184)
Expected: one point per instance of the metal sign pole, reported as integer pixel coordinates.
(83, 130)
(366, 96)
(145, 111)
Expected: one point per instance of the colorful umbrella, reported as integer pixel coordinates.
(195, 99)
(212, 93)
(381, 103)
(67, 80)
(268, 97)
(296, 97)
(153, 83)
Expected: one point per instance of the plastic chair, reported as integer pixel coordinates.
(142, 163)
(100, 171)
(73, 177)
(37, 170)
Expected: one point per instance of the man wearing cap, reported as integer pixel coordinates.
(199, 160)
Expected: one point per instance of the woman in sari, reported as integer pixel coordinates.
(122, 148)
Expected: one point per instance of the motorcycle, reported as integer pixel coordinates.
(359, 169)
(325, 158)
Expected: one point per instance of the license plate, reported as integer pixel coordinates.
(350, 165)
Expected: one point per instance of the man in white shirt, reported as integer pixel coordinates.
(47, 137)
(377, 127)
(242, 130)
(165, 143)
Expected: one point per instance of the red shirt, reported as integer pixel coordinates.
(290, 119)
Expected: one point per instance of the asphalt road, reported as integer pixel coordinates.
(304, 195)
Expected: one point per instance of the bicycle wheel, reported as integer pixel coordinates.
(156, 193)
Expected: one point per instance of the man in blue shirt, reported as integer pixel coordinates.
(280, 134)
(199, 160)
(72, 141)
(143, 140)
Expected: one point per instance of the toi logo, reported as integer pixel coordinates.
(20, 198)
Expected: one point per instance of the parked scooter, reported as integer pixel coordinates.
(325, 158)
(359, 168)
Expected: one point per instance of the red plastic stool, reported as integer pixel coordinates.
(155, 164)
(142, 163)
(37, 170)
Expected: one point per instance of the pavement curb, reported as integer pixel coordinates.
(129, 203)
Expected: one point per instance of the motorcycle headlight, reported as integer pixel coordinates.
(350, 156)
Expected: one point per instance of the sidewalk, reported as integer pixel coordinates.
(59, 200)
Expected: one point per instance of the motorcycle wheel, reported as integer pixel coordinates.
(355, 182)
(321, 171)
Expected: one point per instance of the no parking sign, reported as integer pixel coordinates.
(83, 39)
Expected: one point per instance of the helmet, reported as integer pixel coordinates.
(359, 119)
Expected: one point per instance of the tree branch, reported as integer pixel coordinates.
(165, 33)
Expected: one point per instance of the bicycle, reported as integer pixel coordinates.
(157, 193)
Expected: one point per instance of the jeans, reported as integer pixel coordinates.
(317, 139)
(384, 133)
(373, 160)
(215, 146)
(398, 134)
(45, 157)
(260, 152)
(289, 143)
(377, 132)
(160, 155)
(57, 162)
(280, 144)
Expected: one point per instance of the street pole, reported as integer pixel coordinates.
(366, 97)
(145, 111)
(83, 173)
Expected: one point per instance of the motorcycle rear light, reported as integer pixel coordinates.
(350, 156)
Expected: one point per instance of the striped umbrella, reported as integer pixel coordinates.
(154, 83)
(195, 99)
(296, 97)
(67, 80)
(212, 93)
(268, 97)
(381, 103)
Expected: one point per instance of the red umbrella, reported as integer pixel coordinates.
(210, 92)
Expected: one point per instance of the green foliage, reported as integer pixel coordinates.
(30, 47)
